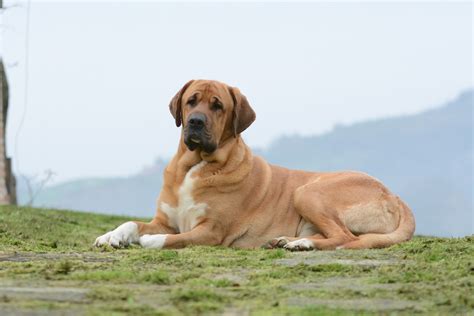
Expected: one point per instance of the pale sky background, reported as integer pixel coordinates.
(101, 75)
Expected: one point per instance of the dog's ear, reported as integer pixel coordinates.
(175, 104)
(243, 114)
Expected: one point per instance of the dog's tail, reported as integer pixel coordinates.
(404, 232)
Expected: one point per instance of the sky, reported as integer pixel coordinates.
(101, 74)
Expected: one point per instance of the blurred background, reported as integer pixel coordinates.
(381, 87)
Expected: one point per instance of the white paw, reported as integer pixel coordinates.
(153, 241)
(124, 235)
(300, 244)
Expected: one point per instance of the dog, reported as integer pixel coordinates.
(215, 192)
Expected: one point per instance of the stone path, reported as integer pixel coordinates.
(26, 257)
(334, 257)
(359, 304)
(58, 294)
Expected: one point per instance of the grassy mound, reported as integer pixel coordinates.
(47, 266)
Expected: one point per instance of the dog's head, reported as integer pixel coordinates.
(210, 112)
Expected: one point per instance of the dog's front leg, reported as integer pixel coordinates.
(201, 235)
(130, 232)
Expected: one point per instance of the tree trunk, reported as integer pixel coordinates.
(7, 179)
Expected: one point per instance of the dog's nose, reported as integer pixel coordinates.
(197, 120)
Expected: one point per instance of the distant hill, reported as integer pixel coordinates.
(425, 158)
(134, 195)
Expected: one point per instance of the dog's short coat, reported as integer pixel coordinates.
(215, 192)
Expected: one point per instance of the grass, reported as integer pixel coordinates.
(44, 250)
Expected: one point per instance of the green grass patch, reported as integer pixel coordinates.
(42, 248)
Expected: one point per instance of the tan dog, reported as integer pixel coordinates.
(215, 192)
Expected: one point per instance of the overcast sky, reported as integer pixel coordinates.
(101, 75)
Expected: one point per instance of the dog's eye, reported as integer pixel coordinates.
(216, 106)
(192, 101)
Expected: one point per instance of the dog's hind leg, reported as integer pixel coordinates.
(311, 204)
(368, 241)
(404, 232)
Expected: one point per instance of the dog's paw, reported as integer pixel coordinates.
(276, 243)
(153, 241)
(299, 245)
(122, 236)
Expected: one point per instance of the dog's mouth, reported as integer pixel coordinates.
(199, 141)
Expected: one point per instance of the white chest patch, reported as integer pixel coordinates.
(184, 216)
